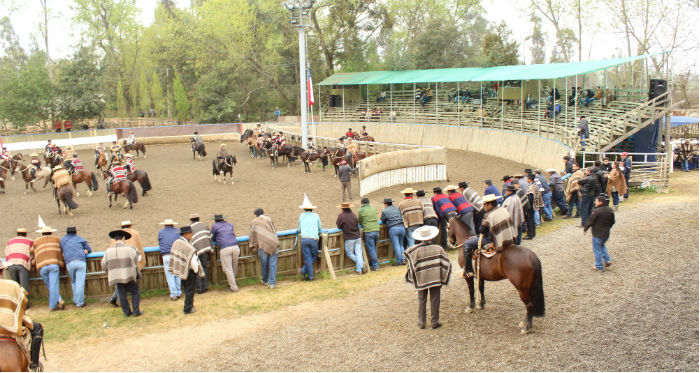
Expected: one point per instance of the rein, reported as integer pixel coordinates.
(450, 244)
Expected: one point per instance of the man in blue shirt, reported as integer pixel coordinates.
(492, 189)
(166, 237)
(74, 249)
(222, 234)
(391, 217)
(309, 229)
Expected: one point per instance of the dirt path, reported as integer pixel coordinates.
(641, 314)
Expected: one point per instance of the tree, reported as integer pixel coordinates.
(182, 104)
(537, 45)
(78, 94)
(157, 99)
(144, 94)
(553, 11)
(25, 91)
(566, 42)
(497, 48)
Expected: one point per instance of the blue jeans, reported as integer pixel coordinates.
(409, 235)
(538, 219)
(585, 208)
(371, 239)
(627, 182)
(353, 249)
(309, 249)
(616, 198)
(174, 282)
(547, 198)
(684, 166)
(573, 201)
(50, 275)
(600, 252)
(559, 200)
(519, 239)
(76, 271)
(397, 233)
(268, 267)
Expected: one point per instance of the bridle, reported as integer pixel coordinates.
(450, 244)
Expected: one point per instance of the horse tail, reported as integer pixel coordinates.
(204, 151)
(214, 167)
(133, 196)
(95, 184)
(536, 288)
(146, 183)
(143, 148)
(66, 196)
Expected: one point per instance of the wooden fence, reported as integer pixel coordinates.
(648, 169)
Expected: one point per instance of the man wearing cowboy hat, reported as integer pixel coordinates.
(344, 172)
(120, 262)
(75, 250)
(411, 212)
(117, 174)
(445, 209)
(686, 153)
(428, 269)
(166, 237)
(514, 206)
(36, 164)
(134, 241)
(129, 163)
(76, 166)
(391, 217)
(17, 257)
(557, 190)
(464, 208)
(368, 218)
(347, 222)
(60, 177)
(222, 233)
(131, 139)
(185, 264)
(507, 180)
(201, 240)
(497, 228)
(627, 163)
(47, 259)
(197, 138)
(220, 155)
(309, 229)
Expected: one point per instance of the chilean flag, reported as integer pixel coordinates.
(309, 87)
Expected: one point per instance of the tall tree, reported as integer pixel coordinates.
(78, 94)
(44, 28)
(158, 101)
(498, 49)
(144, 93)
(182, 103)
(537, 45)
(553, 10)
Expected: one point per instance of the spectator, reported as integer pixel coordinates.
(391, 217)
(411, 212)
(572, 190)
(606, 166)
(344, 172)
(201, 240)
(392, 115)
(278, 113)
(185, 264)
(465, 210)
(534, 204)
(75, 250)
(583, 130)
(264, 236)
(512, 203)
(685, 153)
(47, 259)
(546, 195)
(309, 229)
(348, 223)
(627, 165)
(507, 180)
(429, 215)
(529, 102)
(135, 241)
(616, 184)
(589, 188)
(166, 236)
(601, 220)
(445, 209)
(491, 189)
(17, 257)
(568, 167)
(475, 200)
(367, 218)
(222, 233)
(557, 187)
(120, 262)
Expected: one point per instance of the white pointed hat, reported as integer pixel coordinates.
(307, 204)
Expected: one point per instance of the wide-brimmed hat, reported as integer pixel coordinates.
(125, 223)
(506, 178)
(420, 193)
(33, 155)
(437, 190)
(306, 205)
(551, 170)
(168, 222)
(527, 171)
(21, 230)
(46, 229)
(58, 167)
(219, 217)
(451, 187)
(185, 229)
(425, 233)
(408, 190)
(344, 205)
(71, 230)
(463, 184)
(388, 200)
(119, 233)
(194, 216)
(223, 145)
(511, 188)
(490, 198)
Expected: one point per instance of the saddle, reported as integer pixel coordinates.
(487, 250)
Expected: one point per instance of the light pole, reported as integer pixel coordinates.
(299, 12)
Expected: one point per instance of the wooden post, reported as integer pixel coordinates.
(481, 104)
(327, 256)
(300, 260)
(413, 95)
(458, 106)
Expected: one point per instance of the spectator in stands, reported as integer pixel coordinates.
(452, 95)
(557, 190)
(381, 96)
(601, 220)
(391, 217)
(529, 102)
(627, 165)
(426, 97)
(466, 95)
(367, 218)
(309, 229)
(583, 130)
(263, 236)
(392, 115)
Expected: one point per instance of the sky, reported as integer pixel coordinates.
(26, 14)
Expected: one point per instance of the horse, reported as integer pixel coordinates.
(87, 178)
(64, 195)
(337, 156)
(309, 156)
(197, 149)
(229, 162)
(293, 153)
(44, 173)
(125, 187)
(247, 134)
(138, 146)
(5, 167)
(272, 151)
(102, 161)
(516, 263)
(142, 177)
(116, 156)
(53, 159)
(358, 156)
(365, 138)
(12, 357)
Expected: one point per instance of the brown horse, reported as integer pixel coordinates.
(125, 187)
(138, 146)
(87, 178)
(357, 157)
(53, 159)
(25, 170)
(518, 264)
(5, 168)
(226, 167)
(197, 149)
(365, 138)
(12, 356)
(142, 177)
(64, 195)
(102, 161)
(308, 157)
(337, 155)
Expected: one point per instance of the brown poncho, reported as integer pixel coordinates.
(263, 235)
(12, 306)
(428, 266)
(181, 255)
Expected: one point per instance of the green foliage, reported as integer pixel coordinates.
(121, 102)
(144, 93)
(25, 90)
(537, 47)
(157, 99)
(498, 49)
(78, 94)
(182, 104)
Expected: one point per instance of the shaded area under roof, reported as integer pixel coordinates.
(479, 74)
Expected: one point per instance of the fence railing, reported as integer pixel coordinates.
(648, 169)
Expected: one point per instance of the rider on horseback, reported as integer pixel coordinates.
(197, 139)
(129, 163)
(76, 166)
(60, 177)
(36, 164)
(99, 150)
(131, 139)
(352, 150)
(5, 154)
(363, 131)
(118, 173)
(496, 227)
(12, 327)
(310, 144)
(115, 149)
(221, 156)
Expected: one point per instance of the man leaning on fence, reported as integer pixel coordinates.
(367, 218)
(120, 262)
(184, 263)
(347, 222)
(166, 237)
(263, 236)
(309, 230)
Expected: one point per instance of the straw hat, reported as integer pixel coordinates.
(451, 187)
(551, 170)
(344, 205)
(425, 233)
(33, 155)
(306, 205)
(46, 229)
(126, 223)
(22, 230)
(223, 145)
(490, 198)
(168, 222)
(408, 190)
(58, 167)
(194, 216)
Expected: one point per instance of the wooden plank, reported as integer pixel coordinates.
(327, 256)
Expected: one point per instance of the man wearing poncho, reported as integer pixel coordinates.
(184, 263)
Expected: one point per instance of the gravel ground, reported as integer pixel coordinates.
(639, 315)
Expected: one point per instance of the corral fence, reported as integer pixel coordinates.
(648, 169)
(388, 164)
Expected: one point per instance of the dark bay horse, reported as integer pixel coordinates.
(64, 196)
(53, 160)
(358, 156)
(308, 157)
(197, 149)
(12, 357)
(138, 146)
(366, 138)
(247, 134)
(87, 178)
(102, 161)
(226, 167)
(293, 154)
(125, 187)
(142, 177)
(5, 168)
(272, 151)
(337, 155)
(518, 264)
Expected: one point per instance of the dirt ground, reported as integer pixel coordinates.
(182, 186)
(641, 314)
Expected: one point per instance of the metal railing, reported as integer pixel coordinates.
(648, 169)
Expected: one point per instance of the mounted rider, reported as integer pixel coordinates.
(5, 154)
(129, 163)
(310, 144)
(197, 138)
(131, 139)
(351, 151)
(76, 166)
(115, 150)
(35, 164)
(60, 177)
(221, 156)
(117, 173)
(13, 319)
(99, 150)
(363, 132)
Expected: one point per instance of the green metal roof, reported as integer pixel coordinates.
(479, 74)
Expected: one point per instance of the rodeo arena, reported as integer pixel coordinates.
(300, 245)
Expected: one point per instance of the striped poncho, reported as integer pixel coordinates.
(120, 262)
(201, 238)
(47, 251)
(474, 198)
(18, 250)
(500, 226)
(13, 302)
(263, 235)
(428, 266)
(182, 258)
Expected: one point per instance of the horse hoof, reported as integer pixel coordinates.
(469, 310)
(480, 307)
(12, 178)
(126, 204)
(521, 324)
(524, 331)
(70, 213)
(89, 194)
